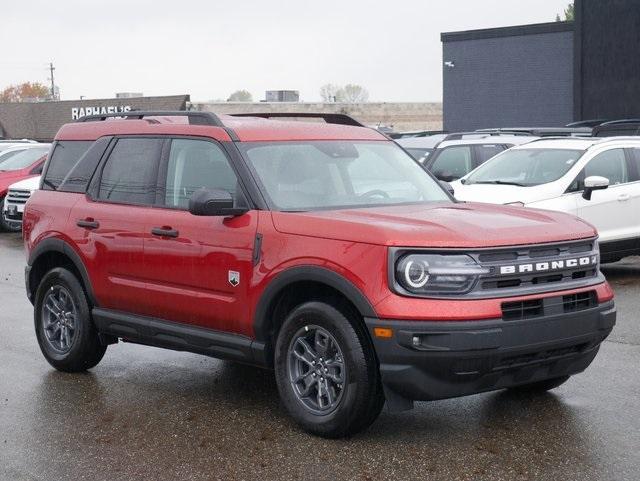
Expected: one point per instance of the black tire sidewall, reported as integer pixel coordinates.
(359, 388)
(85, 336)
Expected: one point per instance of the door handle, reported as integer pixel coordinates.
(88, 223)
(623, 197)
(165, 232)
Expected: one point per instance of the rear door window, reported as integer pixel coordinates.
(130, 173)
(611, 164)
(485, 151)
(635, 164)
(65, 155)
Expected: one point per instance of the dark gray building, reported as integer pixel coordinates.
(41, 120)
(508, 77)
(545, 74)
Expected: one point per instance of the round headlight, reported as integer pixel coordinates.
(416, 273)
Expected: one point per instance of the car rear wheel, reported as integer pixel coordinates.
(67, 338)
(540, 386)
(326, 372)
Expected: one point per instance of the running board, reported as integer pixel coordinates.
(178, 337)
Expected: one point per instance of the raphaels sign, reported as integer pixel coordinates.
(77, 112)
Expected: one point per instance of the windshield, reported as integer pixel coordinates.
(525, 167)
(312, 175)
(420, 154)
(7, 155)
(21, 159)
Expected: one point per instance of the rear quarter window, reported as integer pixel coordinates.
(64, 157)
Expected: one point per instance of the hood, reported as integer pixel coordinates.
(11, 177)
(436, 225)
(499, 194)
(32, 183)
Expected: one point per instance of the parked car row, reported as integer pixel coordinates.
(596, 179)
(19, 162)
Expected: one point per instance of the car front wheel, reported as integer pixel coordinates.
(326, 372)
(67, 338)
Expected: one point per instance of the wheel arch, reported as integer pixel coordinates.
(296, 285)
(51, 253)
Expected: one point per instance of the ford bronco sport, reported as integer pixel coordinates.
(322, 251)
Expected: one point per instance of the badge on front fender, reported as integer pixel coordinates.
(234, 278)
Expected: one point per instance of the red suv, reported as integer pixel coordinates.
(320, 250)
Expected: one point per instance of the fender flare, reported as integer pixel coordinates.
(54, 244)
(321, 275)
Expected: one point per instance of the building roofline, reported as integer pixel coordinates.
(512, 31)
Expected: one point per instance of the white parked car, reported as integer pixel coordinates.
(8, 143)
(16, 198)
(458, 154)
(597, 179)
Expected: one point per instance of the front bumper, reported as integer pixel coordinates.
(436, 360)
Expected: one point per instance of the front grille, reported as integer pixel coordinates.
(539, 356)
(512, 311)
(548, 306)
(579, 301)
(18, 196)
(531, 269)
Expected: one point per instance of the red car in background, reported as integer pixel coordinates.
(19, 163)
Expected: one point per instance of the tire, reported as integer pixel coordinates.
(81, 349)
(540, 387)
(350, 358)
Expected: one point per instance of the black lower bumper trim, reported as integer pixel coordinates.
(427, 360)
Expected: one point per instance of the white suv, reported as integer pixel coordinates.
(16, 198)
(460, 153)
(597, 179)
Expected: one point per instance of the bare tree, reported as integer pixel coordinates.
(240, 96)
(331, 93)
(355, 94)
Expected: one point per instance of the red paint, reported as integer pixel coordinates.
(12, 176)
(185, 279)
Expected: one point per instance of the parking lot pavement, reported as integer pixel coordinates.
(150, 414)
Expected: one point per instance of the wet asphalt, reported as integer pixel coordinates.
(151, 414)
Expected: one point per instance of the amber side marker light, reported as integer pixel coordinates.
(383, 332)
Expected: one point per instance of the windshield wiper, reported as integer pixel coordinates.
(500, 182)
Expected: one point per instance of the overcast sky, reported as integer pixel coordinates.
(210, 48)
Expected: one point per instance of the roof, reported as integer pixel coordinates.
(576, 143)
(26, 147)
(253, 129)
(222, 128)
(489, 140)
(512, 31)
(421, 142)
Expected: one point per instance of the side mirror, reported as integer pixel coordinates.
(216, 202)
(447, 186)
(594, 182)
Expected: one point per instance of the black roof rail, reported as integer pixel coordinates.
(341, 119)
(195, 117)
(544, 131)
(485, 133)
(587, 123)
(416, 133)
(564, 137)
(621, 122)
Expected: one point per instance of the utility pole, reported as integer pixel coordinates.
(53, 84)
